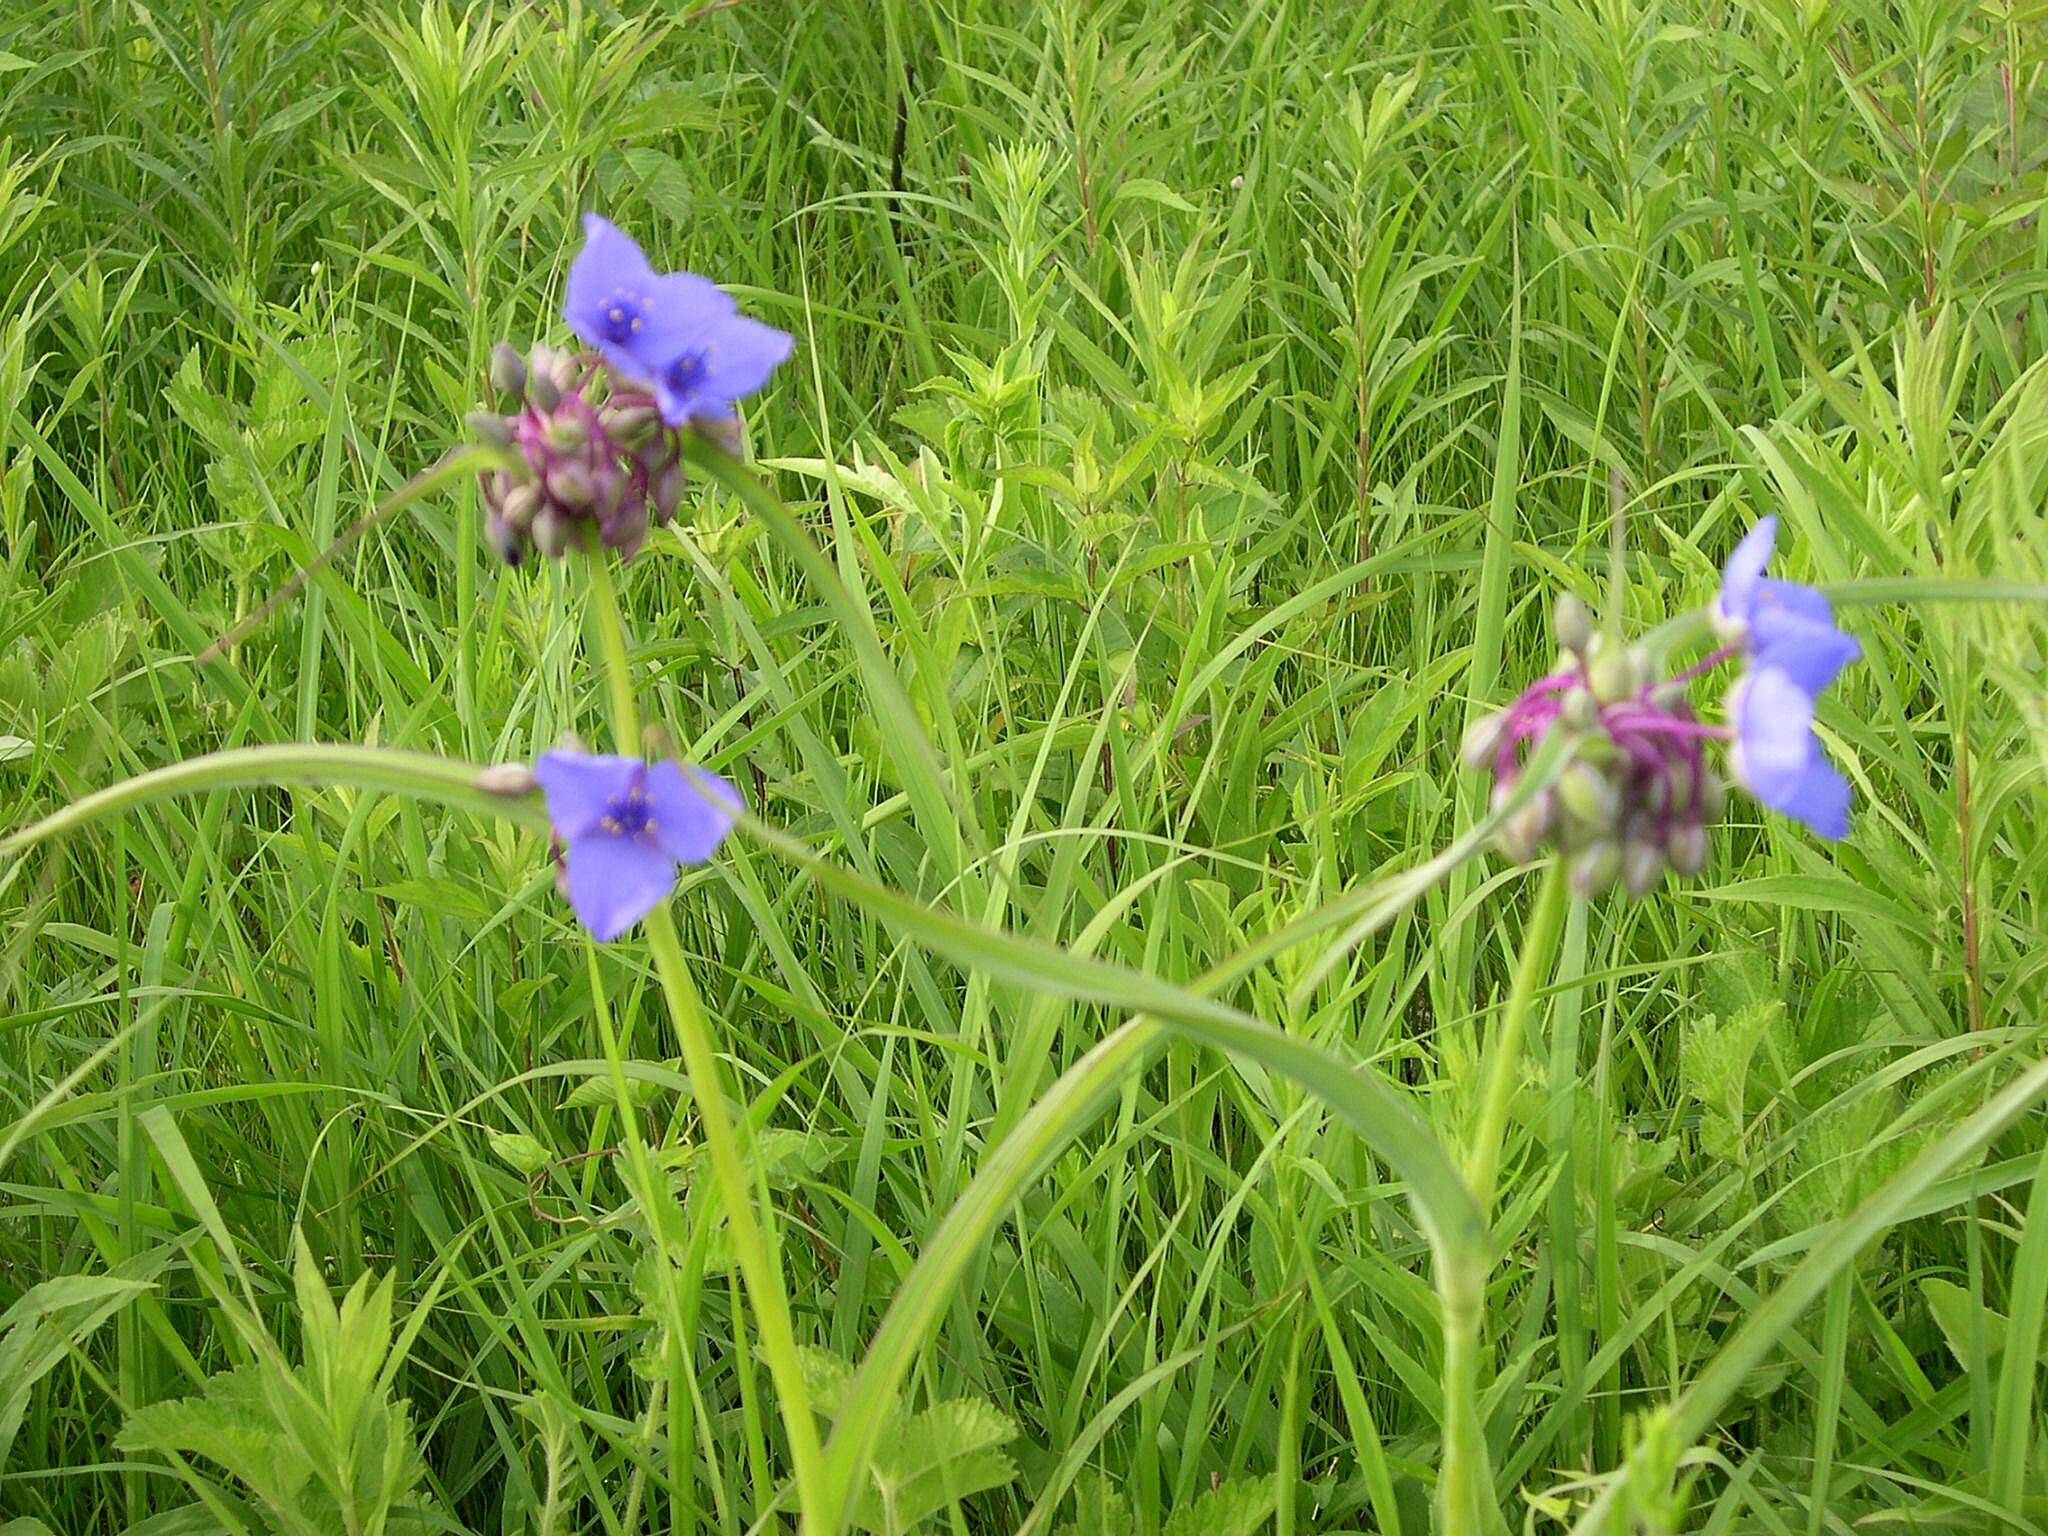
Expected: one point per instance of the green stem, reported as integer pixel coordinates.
(1504, 1057)
(1466, 1496)
(752, 1245)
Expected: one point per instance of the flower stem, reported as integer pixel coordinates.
(1468, 1505)
(753, 1246)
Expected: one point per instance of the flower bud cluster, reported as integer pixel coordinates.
(1636, 796)
(591, 458)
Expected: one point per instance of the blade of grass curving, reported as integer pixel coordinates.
(443, 780)
(1693, 1413)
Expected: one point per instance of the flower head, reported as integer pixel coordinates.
(588, 460)
(676, 333)
(1795, 651)
(626, 825)
(639, 319)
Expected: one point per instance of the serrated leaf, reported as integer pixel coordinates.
(1230, 1509)
(1099, 1510)
(521, 1151)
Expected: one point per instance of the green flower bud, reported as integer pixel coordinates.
(1580, 711)
(1642, 866)
(1482, 740)
(542, 392)
(490, 428)
(1595, 867)
(1686, 846)
(1615, 673)
(1588, 797)
(508, 370)
(1571, 623)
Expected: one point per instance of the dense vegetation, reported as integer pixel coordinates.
(1206, 402)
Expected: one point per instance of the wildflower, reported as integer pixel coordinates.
(1795, 651)
(676, 333)
(587, 458)
(639, 320)
(1637, 794)
(626, 825)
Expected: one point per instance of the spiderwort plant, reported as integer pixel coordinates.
(1641, 788)
(595, 432)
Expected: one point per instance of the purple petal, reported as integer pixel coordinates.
(581, 787)
(740, 353)
(1778, 759)
(1745, 568)
(689, 811)
(1773, 734)
(616, 881)
(730, 357)
(1789, 597)
(637, 318)
(1820, 799)
(1810, 654)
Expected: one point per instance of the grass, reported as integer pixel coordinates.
(1196, 409)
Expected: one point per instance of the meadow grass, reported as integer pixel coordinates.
(1196, 408)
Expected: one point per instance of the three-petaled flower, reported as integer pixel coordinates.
(1795, 651)
(626, 825)
(679, 335)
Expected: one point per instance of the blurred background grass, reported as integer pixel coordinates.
(1207, 400)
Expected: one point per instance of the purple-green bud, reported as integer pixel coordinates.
(506, 542)
(520, 505)
(508, 370)
(665, 492)
(491, 428)
(570, 484)
(1687, 847)
(1642, 866)
(633, 427)
(1523, 832)
(542, 392)
(552, 532)
(1713, 795)
(722, 432)
(1571, 623)
(1482, 740)
(1588, 797)
(512, 780)
(566, 434)
(1595, 867)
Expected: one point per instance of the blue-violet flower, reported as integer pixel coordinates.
(637, 318)
(1795, 651)
(625, 826)
(675, 332)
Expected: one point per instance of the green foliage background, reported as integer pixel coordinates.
(1206, 399)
